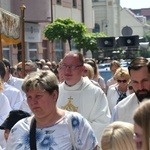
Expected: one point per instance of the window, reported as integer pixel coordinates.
(58, 45)
(58, 2)
(95, 0)
(32, 51)
(32, 46)
(73, 44)
(6, 52)
(33, 55)
(74, 2)
(58, 52)
(96, 28)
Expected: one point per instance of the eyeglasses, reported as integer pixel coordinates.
(19, 69)
(119, 81)
(70, 67)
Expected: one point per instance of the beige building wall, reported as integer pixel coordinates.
(89, 18)
(39, 12)
(36, 10)
(113, 15)
(128, 19)
(75, 13)
(107, 16)
(67, 13)
(5, 4)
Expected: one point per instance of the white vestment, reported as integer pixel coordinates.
(124, 110)
(14, 96)
(17, 83)
(87, 99)
(113, 95)
(4, 111)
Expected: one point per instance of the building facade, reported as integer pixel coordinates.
(37, 16)
(137, 25)
(142, 12)
(107, 16)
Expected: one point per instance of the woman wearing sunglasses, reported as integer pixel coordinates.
(118, 91)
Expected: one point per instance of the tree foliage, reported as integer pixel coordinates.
(147, 36)
(88, 41)
(65, 30)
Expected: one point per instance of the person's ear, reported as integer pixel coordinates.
(55, 95)
(83, 68)
(8, 69)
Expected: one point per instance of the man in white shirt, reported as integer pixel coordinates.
(14, 95)
(79, 94)
(139, 70)
(13, 81)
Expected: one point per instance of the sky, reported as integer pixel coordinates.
(135, 4)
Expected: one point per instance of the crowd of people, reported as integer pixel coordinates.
(68, 105)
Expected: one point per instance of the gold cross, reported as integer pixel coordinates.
(69, 106)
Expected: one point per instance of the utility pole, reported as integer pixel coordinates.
(52, 42)
(22, 8)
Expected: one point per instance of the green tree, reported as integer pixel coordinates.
(88, 41)
(65, 30)
(147, 36)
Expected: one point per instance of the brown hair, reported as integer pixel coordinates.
(44, 80)
(92, 62)
(142, 118)
(114, 63)
(138, 63)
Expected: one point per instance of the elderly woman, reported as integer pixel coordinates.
(118, 91)
(50, 127)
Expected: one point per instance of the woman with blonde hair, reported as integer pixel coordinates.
(97, 76)
(88, 71)
(120, 90)
(142, 126)
(118, 136)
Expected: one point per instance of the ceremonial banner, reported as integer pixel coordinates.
(9, 27)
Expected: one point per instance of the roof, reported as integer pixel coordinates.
(142, 11)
